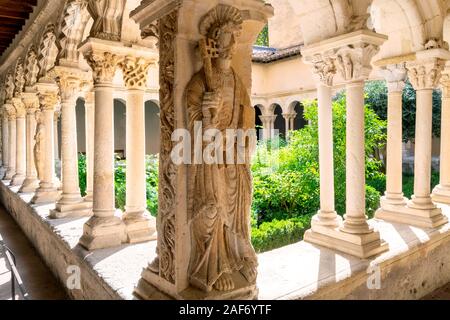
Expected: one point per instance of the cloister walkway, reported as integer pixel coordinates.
(38, 279)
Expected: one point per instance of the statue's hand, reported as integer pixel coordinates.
(210, 104)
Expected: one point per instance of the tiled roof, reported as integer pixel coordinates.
(267, 54)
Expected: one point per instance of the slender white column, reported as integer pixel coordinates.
(393, 200)
(71, 204)
(47, 191)
(103, 229)
(31, 182)
(11, 141)
(89, 119)
(139, 225)
(19, 176)
(424, 75)
(441, 192)
(5, 143)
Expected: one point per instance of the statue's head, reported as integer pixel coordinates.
(223, 25)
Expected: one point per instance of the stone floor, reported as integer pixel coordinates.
(38, 280)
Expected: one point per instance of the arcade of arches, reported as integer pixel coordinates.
(106, 77)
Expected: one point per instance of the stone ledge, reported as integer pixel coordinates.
(416, 264)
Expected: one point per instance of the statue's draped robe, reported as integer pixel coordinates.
(219, 194)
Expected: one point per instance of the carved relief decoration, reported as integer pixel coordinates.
(104, 65)
(20, 107)
(135, 72)
(48, 100)
(74, 20)
(32, 68)
(445, 84)
(47, 51)
(354, 61)
(107, 15)
(19, 81)
(323, 67)
(9, 85)
(164, 264)
(39, 143)
(425, 75)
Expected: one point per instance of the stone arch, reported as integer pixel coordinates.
(72, 29)
(152, 127)
(19, 77)
(31, 66)
(48, 50)
(279, 124)
(9, 84)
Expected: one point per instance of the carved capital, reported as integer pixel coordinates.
(31, 102)
(10, 111)
(395, 76)
(323, 68)
(104, 65)
(19, 106)
(48, 101)
(135, 72)
(69, 87)
(354, 61)
(425, 74)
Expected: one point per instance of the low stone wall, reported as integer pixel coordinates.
(416, 264)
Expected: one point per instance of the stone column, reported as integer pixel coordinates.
(11, 141)
(424, 75)
(58, 169)
(351, 54)
(19, 176)
(47, 191)
(181, 24)
(267, 122)
(31, 182)
(324, 70)
(441, 192)
(393, 200)
(5, 143)
(71, 204)
(89, 105)
(103, 229)
(140, 226)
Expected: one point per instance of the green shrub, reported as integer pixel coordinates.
(408, 183)
(82, 173)
(278, 233)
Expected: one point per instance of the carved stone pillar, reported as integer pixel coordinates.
(19, 176)
(71, 204)
(441, 192)
(324, 71)
(424, 75)
(31, 182)
(140, 226)
(5, 143)
(11, 111)
(268, 126)
(44, 149)
(393, 199)
(183, 269)
(89, 105)
(352, 54)
(103, 229)
(289, 122)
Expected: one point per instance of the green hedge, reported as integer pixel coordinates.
(278, 233)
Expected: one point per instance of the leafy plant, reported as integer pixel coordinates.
(263, 37)
(82, 173)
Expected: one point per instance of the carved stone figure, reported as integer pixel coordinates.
(220, 195)
(39, 140)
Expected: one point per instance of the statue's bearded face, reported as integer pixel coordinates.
(225, 37)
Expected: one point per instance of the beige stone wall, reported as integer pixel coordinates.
(284, 26)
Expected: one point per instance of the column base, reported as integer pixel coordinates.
(17, 180)
(140, 229)
(389, 201)
(29, 185)
(2, 172)
(150, 286)
(360, 245)
(74, 210)
(102, 232)
(45, 195)
(9, 175)
(89, 197)
(326, 219)
(430, 217)
(441, 194)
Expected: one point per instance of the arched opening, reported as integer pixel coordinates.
(258, 122)
(152, 134)
(299, 121)
(280, 124)
(120, 128)
(81, 126)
